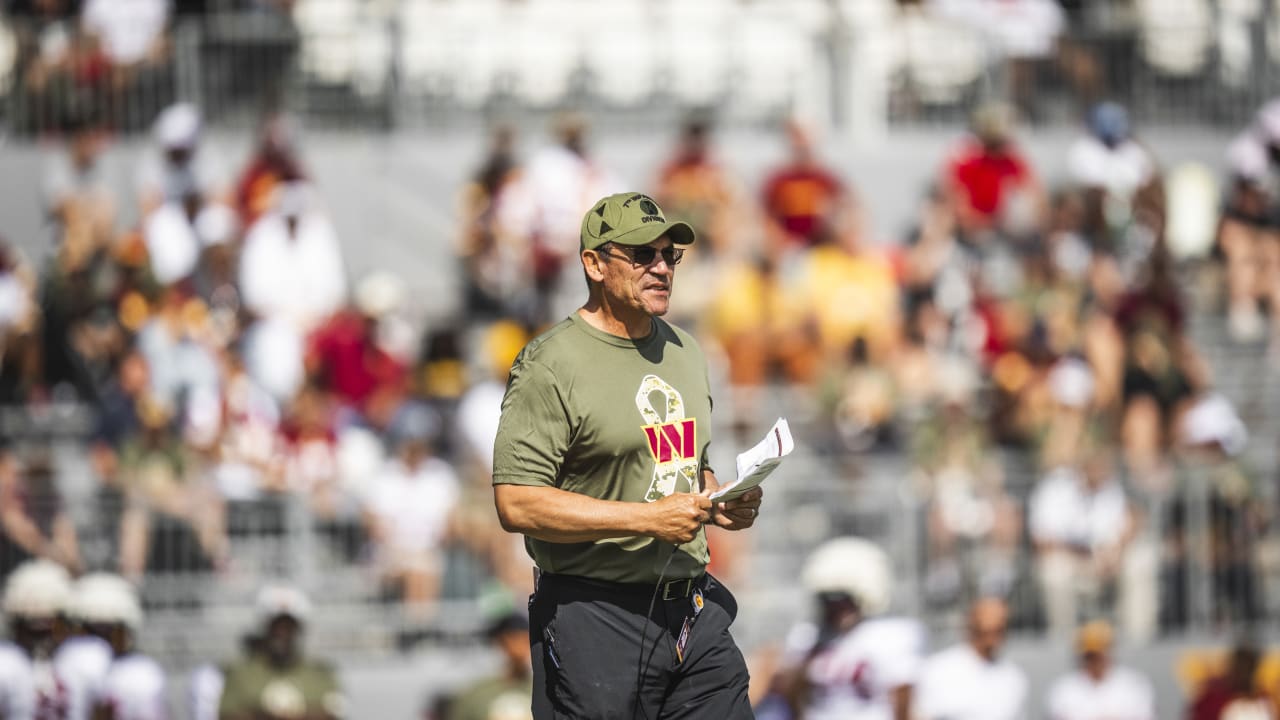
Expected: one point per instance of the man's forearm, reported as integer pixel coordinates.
(709, 481)
(556, 515)
(902, 702)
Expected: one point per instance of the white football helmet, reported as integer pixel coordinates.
(854, 566)
(37, 589)
(106, 599)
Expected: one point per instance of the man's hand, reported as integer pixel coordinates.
(678, 518)
(741, 513)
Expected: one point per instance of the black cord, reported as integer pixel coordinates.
(644, 631)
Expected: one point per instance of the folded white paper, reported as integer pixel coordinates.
(759, 462)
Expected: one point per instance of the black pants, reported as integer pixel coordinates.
(586, 640)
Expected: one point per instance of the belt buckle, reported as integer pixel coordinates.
(677, 589)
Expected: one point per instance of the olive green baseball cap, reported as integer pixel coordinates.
(630, 219)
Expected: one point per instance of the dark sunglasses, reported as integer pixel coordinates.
(646, 254)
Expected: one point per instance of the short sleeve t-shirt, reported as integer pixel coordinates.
(1122, 695)
(959, 684)
(1064, 511)
(614, 419)
(494, 699)
(415, 504)
(985, 179)
(308, 688)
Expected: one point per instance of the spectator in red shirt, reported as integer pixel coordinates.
(696, 187)
(274, 164)
(802, 198)
(990, 182)
(346, 358)
(1235, 693)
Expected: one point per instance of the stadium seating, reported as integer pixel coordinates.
(344, 43)
(1176, 36)
(8, 56)
(940, 59)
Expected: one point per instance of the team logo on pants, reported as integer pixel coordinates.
(672, 438)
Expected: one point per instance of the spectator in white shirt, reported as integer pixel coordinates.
(17, 294)
(1108, 157)
(559, 185)
(1025, 32)
(77, 194)
(1099, 689)
(477, 425)
(969, 680)
(1121, 186)
(292, 267)
(410, 510)
(177, 165)
(1247, 235)
(170, 235)
(1082, 524)
(173, 343)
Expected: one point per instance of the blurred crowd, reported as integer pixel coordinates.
(231, 367)
(1050, 325)
(117, 58)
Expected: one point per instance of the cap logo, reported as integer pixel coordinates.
(603, 220)
(647, 206)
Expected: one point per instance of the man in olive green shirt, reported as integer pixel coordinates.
(276, 682)
(601, 462)
(504, 696)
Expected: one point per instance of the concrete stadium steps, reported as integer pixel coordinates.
(354, 632)
(1248, 374)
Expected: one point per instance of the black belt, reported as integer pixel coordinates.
(669, 590)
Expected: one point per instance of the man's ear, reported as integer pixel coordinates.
(593, 265)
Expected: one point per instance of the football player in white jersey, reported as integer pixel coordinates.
(134, 686)
(204, 691)
(34, 598)
(854, 663)
(83, 659)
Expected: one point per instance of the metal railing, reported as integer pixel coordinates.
(1206, 581)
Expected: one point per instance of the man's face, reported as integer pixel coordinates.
(642, 286)
(38, 636)
(515, 647)
(837, 612)
(178, 156)
(1095, 663)
(987, 623)
(1097, 470)
(281, 641)
(86, 145)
